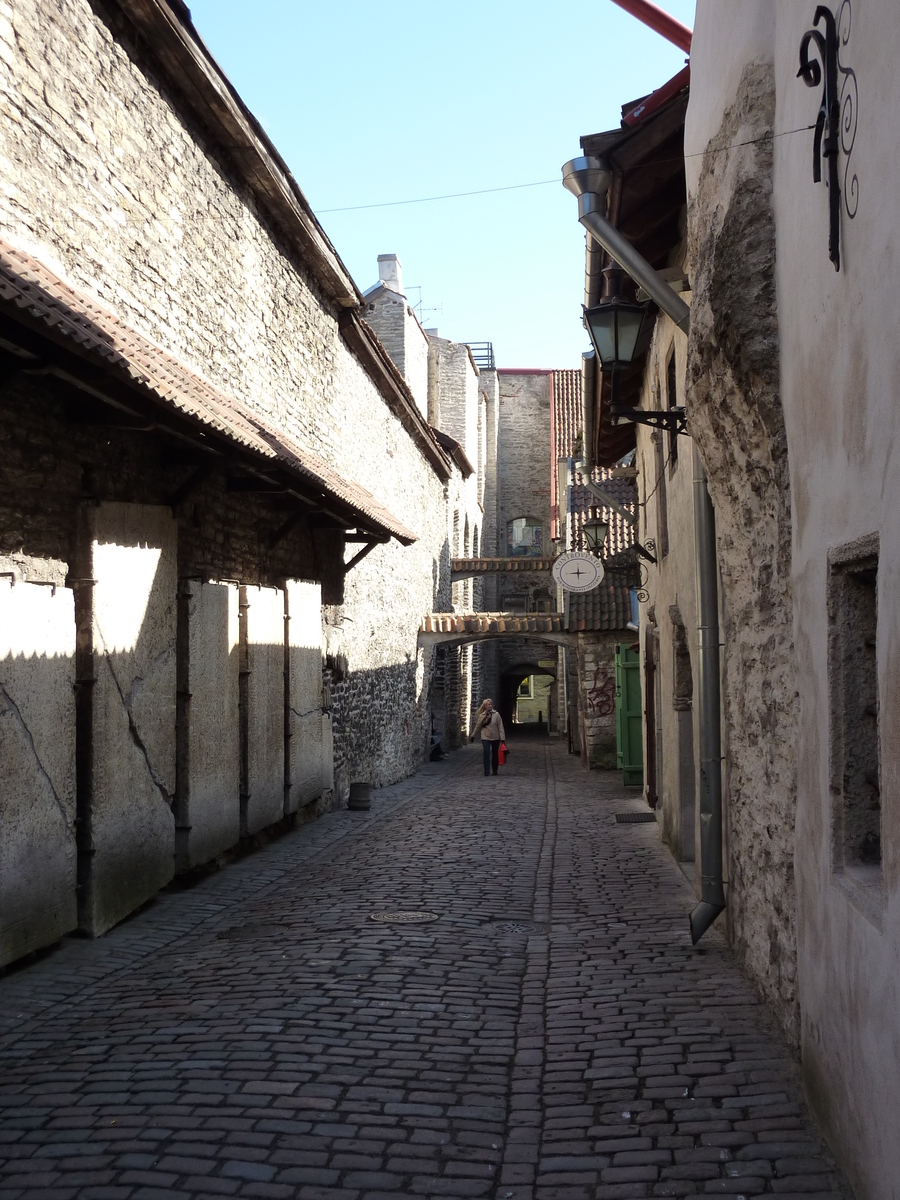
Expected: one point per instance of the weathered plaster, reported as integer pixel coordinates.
(208, 801)
(37, 750)
(735, 413)
(126, 638)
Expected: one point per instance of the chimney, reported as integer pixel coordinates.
(390, 272)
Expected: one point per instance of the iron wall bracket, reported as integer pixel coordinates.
(672, 419)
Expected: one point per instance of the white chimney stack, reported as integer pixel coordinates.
(390, 272)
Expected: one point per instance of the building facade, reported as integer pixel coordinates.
(210, 604)
(786, 377)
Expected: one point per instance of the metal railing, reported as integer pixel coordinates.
(482, 355)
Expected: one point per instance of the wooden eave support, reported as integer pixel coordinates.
(46, 353)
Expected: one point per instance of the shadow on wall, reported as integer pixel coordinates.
(144, 727)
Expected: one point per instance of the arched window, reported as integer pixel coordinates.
(524, 538)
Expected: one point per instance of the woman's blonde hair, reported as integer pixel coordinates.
(483, 710)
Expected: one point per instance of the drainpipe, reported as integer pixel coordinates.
(588, 179)
(588, 386)
(712, 890)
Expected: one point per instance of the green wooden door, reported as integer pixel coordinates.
(629, 715)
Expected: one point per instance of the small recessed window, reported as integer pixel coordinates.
(515, 604)
(524, 537)
(672, 402)
(853, 687)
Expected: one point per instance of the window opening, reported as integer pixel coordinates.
(672, 402)
(853, 686)
(524, 538)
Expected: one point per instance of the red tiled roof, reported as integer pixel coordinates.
(27, 286)
(606, 608)
(487, 622)
(492, 566)
(620, 535)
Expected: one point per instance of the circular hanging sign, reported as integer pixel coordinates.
(577, 572)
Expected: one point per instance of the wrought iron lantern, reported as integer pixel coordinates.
(615, 327)
(615, 323)
(594, 532)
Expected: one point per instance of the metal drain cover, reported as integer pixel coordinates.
(635, 818)
(404, 918)
(520, 927)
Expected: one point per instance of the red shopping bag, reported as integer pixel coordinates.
(501, 755)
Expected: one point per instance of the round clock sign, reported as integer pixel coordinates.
(577, 572)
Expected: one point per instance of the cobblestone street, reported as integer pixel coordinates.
(551, 1035)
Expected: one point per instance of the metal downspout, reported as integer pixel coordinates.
(712, 890)
(588, 179)
(588, 387)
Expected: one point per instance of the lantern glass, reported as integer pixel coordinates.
(602, 328)
(595, 532)
(615, 326)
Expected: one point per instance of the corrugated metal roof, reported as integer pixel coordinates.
(27, 285)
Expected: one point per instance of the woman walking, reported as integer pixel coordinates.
(489, 723)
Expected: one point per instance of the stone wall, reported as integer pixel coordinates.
(524, 451)
(736, 416)
(166, 236)
(453, 393)
(597, 699)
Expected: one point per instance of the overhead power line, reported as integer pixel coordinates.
(514, 187)
(449, 196)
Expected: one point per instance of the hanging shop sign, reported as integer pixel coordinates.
(577, 572)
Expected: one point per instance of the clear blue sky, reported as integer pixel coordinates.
(373, 102)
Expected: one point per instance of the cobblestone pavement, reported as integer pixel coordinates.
(551, 1036)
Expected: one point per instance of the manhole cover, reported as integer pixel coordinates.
(635, 818)
(519, 926)
(404, 918)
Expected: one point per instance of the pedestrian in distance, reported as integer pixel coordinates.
(489, 724)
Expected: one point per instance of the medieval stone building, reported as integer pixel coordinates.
(215, 482)
(787, 378)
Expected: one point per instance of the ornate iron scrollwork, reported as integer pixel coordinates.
(835, 127)
(849, 112)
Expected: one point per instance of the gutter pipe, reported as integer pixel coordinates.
(659, 21)
(588, 179)
(712, 891)
(588, 387)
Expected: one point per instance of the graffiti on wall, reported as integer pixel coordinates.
(601, 695)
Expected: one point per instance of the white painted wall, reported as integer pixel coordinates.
(264, 649)
(310, 727)
(213, 752)
(840, 378)
(37, 764)
(132, 556)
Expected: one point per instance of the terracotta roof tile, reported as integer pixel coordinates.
(606, 608)
(492, 566)
(488, 622)
(27, 284)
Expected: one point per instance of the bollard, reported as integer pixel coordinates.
(360, 797)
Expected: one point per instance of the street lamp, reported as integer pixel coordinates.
(595, 532)
(615, 323)
(615, 326)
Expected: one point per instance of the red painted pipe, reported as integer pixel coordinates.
(659, 22)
